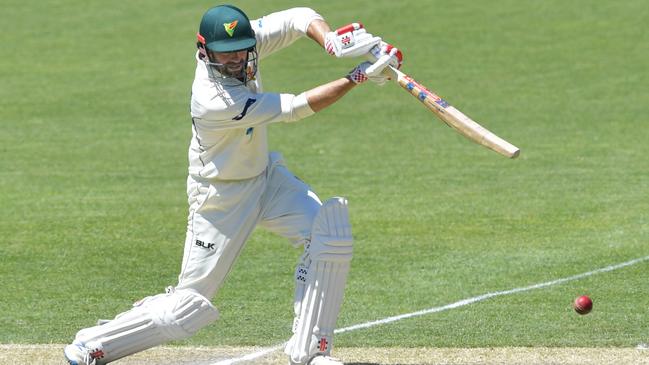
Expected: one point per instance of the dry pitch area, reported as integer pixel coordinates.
(51, 355)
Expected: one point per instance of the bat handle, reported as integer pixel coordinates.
(392, 73)
(389, 71)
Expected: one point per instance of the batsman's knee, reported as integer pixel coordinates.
(151, 322)
(331, 234)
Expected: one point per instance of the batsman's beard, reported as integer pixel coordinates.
(232, 69)
(243, 71)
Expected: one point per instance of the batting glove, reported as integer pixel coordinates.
(351, 40)
(372, 71)
(385, 48)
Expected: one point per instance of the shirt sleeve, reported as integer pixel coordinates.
(278, 30)
(244, 109)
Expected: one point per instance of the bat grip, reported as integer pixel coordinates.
(389, 71)
(392, 73)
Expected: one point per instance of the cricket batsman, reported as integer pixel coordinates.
(236, 184)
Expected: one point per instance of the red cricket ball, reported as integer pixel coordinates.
(583, 304)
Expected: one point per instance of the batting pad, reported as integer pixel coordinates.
(152, 321)
(321, 276)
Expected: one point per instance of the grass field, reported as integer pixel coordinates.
(185, 355)
(93, 142)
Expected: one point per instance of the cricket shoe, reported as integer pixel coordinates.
(79, 354)
(320, 360)
(325, 360)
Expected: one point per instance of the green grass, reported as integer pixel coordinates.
(93, 140)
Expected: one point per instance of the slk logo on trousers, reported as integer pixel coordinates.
(209, 246)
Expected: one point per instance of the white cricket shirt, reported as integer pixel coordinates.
(229, 138)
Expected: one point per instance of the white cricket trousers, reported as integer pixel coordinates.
(223, 214)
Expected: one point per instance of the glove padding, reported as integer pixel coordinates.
(385, 48)
(373, 71)
(351, 40)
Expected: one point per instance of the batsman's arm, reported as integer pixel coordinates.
(317, 31)
(322, 96)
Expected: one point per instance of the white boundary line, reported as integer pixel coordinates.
(457, 304)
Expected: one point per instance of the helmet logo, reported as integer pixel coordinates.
(229, 27)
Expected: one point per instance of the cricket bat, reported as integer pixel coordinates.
(451, 116)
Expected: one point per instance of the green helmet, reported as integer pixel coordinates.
(225, 28)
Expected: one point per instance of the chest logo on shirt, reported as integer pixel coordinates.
(249, 102)
(229, 27)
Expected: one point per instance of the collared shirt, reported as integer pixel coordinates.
(229, 137)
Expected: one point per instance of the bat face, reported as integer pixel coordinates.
(423, 93)
(453, 117)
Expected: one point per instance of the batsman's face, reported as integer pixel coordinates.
(231, 63)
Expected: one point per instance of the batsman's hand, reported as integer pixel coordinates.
(373, 71)
(351, 40)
